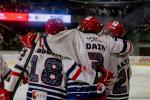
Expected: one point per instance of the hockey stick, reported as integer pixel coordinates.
(24, 69)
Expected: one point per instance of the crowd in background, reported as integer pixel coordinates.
(67, 8)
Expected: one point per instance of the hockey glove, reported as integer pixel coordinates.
(106, 76)
(28, 40)
(102, 79)
(5, 95)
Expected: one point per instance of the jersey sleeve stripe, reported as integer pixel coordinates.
(56, 95)
(71, 69)
(75, 76)
(45, 43)
(20, 68)
(15, 74)
(46, 87)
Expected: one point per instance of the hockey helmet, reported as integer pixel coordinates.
(54, 26)
(89, 25)
(117, 29)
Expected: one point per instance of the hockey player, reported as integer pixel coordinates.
(48, 71)
(85, 47)
(119, 66)
(5, 71)
(88, 49)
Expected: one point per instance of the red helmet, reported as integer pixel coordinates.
(89, 24)
(54, 26)
(117, 29)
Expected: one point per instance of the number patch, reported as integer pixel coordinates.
(51, 74)
(97, 59)
(123, 77)
(118, 87)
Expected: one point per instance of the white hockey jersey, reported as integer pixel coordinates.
(79, 46)
(119, 86)
(48, 73)
(5, 72)
(88, 49)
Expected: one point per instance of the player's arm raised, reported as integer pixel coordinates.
(120, 46)
(117, 31)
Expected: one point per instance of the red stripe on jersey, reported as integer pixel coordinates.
(15, 73)
(77, 74)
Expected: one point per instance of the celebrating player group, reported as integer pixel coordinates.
(89, 62)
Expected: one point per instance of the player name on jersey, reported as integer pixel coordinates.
(39, 50)
(95, 46)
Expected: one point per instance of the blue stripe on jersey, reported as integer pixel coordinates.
(71, 69)
(81, 90)
(75, 82)
(45, 43)
(124, 47)
(52, 92)
(20, 68)
(82, 93)
(48, 87)
(49, 94)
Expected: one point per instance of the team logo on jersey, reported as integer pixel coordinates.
(39, 95)
(94, 39)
